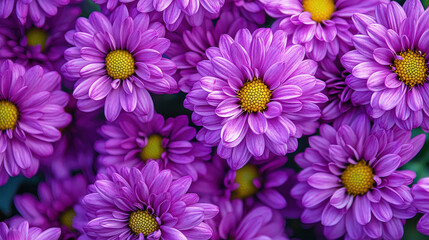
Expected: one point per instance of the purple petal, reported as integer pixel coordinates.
(234, 128)
(366, 69)
(362, 210)
(414, 99)
(274, 109)
(228, 108)
(331, 215)
(100, 88)
(112, 107)
(423, 224)
(390, 98)
(272, 198)
(172, 233)
(225, 68)
(255, 144)
(340, 198)
(393, 229)
(323, 181)
(315, 196)
(374, 229)
(257, 123)
(384, 56)
(386, 165)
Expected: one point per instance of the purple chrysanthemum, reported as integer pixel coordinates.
(420, 192)
(189, 44)
(145, 204)
(252, 10)
(75, 150)
(173, 11)
(18, 229)
(338, 92)
(293, 207)
(236, 222)
(324, 27)
(43, 45)
(31, 111)
(351, 183)
(36, 10)
(256, 182)
(130, 142)
(116, 61)
(256, 95)
(54, 205)
(390, 65)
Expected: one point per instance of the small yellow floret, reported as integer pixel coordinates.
(120, 64)
(8, 115)
(66, 218)
(320, 9)
(153, 148)
(254, 96)
(245, 176)
(37, 36)
(412, 69)
(358, 178)
(141, 221)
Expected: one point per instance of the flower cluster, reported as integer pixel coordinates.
(213, 119)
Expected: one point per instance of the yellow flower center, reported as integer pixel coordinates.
(142, 222)
(153, 148)
(358, 178)
(320, 9)
(66, 218)
(245, 176)
(120, 64)
(412, 69)
(254, 96)
(8, 115)
(37, 36)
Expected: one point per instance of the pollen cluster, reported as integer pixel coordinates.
(153, 148)
(320, 9)
(37, 36)
(8, 115)
(254, 96)
(412, 69)
(66, 218)
(244, 177)
(120, 64)
(142, 222)
(358, 178)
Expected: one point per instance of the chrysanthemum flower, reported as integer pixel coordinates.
(116, 61)
(145, 204)
(54, 205)
(338, 92)
(31, 111)
(252, 10)
(293, 207)
(350, 180)
(189, 44)
(256, 95)
(234, 221)
(256, 182)
(390, 64)
(18, 229)
(75, 150)
(173, 11)
(131, 142)
(32, 44)
(323, 26)
(421, 201)
(36, 10)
